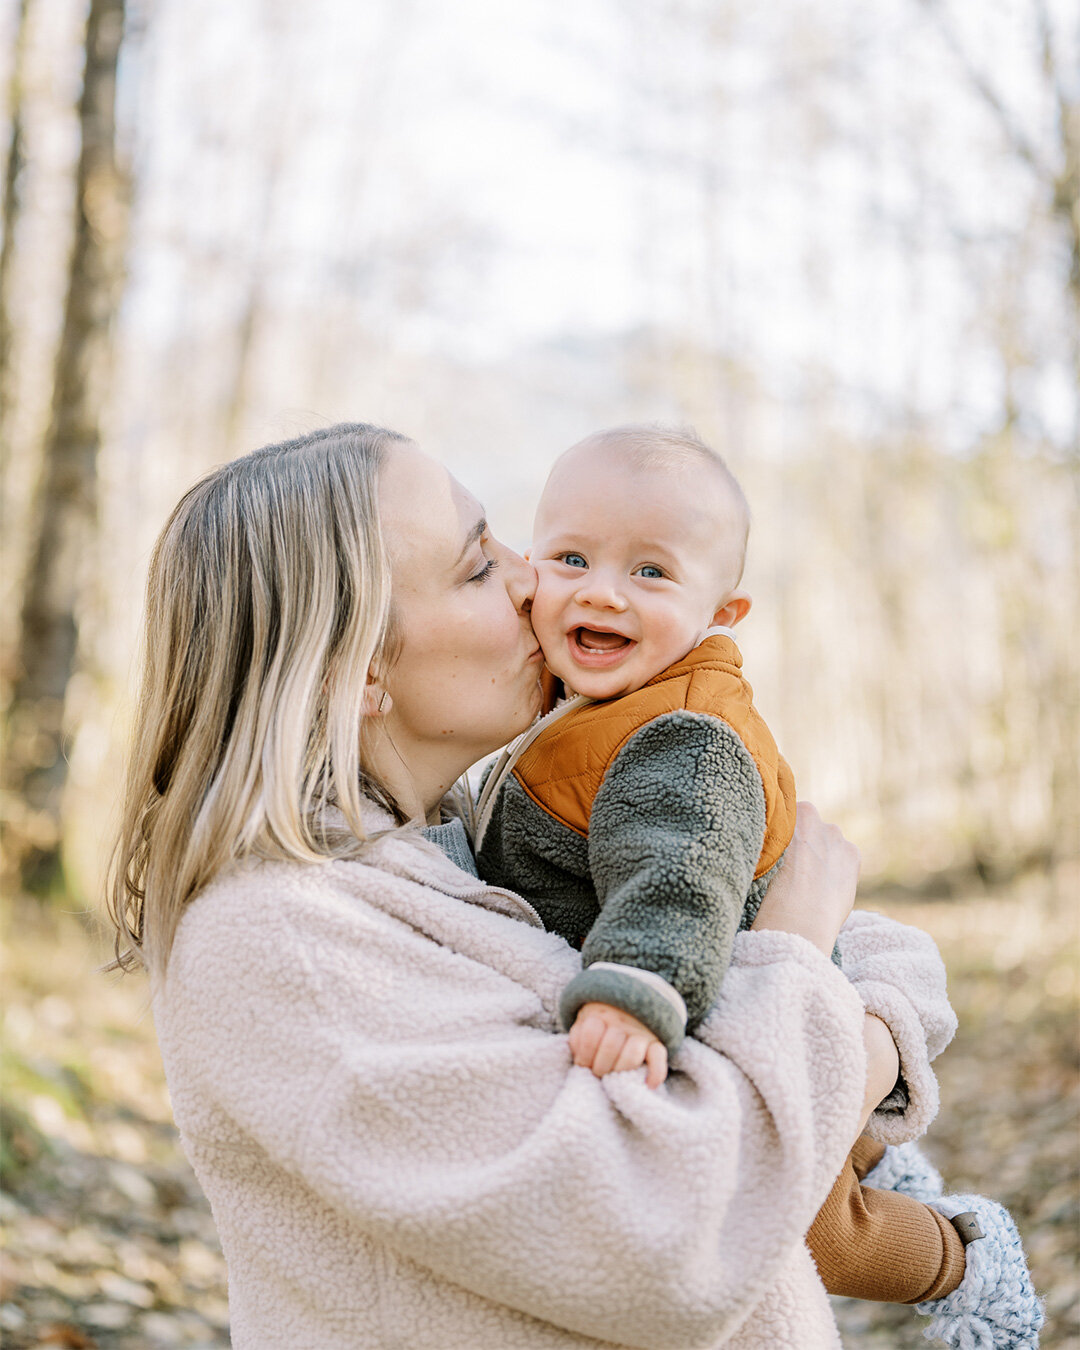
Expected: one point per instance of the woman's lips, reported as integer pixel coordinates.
(596, 649)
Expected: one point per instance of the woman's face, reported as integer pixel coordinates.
(466, 680)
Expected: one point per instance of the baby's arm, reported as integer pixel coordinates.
(675, 835)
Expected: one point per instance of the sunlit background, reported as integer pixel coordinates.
(840, 239)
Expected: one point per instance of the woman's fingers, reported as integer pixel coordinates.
(835, 853)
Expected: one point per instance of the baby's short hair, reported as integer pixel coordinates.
(655, 445)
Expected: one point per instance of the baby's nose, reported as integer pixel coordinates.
(600, 592)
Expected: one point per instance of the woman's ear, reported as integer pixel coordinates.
(376, 701)
(735, 608)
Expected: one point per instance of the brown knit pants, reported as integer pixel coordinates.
(881, 1245)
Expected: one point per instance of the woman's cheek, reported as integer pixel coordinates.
(502, 621)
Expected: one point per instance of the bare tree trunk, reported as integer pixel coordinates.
(10, 208)
(63, 531)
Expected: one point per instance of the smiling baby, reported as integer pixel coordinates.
(645, 820)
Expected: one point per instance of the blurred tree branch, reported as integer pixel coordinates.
(1062, 182)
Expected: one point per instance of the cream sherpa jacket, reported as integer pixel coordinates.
(365, 1070)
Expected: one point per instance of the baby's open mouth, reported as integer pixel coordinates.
(595, 641)
(591, 647)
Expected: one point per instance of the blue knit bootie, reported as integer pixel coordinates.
(907, 1169)
(994, 1307)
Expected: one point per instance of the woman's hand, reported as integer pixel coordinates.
(815, 889)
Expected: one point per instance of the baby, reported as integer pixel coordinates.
(645, 817)
(644, 830)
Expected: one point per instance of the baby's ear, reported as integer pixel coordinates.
(734, 609)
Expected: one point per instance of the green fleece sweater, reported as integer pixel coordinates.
(643, 831)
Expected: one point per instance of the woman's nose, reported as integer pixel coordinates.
(520, 578)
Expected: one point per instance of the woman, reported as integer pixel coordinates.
(359, 1035)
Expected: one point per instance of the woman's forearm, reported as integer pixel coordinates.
(882, 1065)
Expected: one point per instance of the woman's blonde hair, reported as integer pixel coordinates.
(268, 602)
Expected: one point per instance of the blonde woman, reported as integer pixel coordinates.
(360, 1037)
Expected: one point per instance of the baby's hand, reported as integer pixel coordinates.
(608, 1040)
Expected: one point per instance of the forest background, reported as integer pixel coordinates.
(841, 240)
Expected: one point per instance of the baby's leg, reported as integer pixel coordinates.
(882, 1245)
(994, 1306)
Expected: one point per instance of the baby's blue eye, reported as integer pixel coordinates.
(574, 560)
(651, 571)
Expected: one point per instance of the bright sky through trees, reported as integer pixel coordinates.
(815, 189)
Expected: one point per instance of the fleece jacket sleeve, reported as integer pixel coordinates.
(413, 1090)
(898, 973)
(674, 839)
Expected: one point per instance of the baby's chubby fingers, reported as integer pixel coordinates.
(609, 1050)
(632, 1055)
(585, 1037)
(656, 1064)
(609, 1040)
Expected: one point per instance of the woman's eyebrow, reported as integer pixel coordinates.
(477, 532)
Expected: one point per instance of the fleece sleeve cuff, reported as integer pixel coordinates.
(641, 993)
(900, 978)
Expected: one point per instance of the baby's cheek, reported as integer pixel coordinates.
(674, 633)
(544, 615)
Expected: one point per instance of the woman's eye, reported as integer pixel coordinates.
(486, 570)
(651, 571)
(573, 560)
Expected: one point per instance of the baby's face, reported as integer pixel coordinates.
(630, 568)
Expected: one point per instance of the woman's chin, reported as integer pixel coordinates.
(530, 710)
(536, 702)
